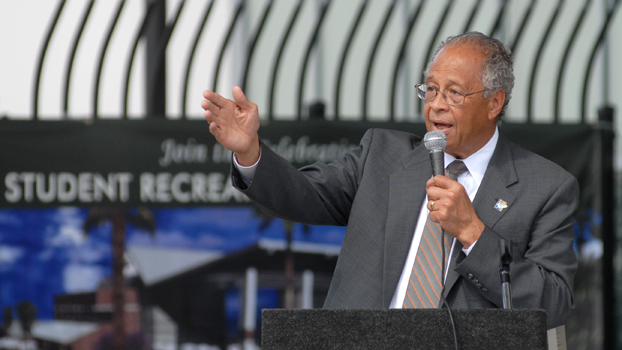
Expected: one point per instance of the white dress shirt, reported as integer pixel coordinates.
(477, 164)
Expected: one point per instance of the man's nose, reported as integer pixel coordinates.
(439, 102)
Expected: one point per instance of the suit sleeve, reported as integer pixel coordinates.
(318, 194)
(543, 267)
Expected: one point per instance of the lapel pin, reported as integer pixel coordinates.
(501, 204)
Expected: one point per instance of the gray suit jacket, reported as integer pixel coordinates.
(377, 191)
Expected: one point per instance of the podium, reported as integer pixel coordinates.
(327, 329)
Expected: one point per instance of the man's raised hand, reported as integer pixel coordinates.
(234, 124)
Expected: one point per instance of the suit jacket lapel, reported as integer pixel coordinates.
(498, 177)
(407, 191)
(500, 174)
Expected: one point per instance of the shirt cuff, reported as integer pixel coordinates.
(468, 250)
(246, 172)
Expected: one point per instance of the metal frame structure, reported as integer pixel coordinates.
(157, 53)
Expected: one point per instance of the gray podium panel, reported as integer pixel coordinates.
(320, 329)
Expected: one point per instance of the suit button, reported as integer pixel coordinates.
(484, 289)
(479, 285)
(470, 276)
(475, 280)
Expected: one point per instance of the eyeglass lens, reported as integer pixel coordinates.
(428, 93)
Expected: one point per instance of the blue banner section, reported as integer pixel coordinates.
(45, 252)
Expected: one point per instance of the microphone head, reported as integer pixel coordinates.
(435, 140)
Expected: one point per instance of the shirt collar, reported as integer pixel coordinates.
(478, 161)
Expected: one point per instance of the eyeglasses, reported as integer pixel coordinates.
(452, 97)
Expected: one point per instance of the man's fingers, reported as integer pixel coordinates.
(240, 98)
(215, 98)
(213, 128)
(209, 116)
(442, 187)
(439, 181)
(208, 106)
(211, 111)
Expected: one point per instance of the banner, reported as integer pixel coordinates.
(169, 163)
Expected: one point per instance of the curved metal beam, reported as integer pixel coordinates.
(344, 56)
(76, 42)
(253, 43)
(165, 38)
(44, 48)
(225, 43)
(130, 61)
(521, 28)
(534, 69)
(372, 57)
(277, 61)
(597, 44)
(100, 62)
(312, 44)
(497, 25)
(474, 11)
(197, 37)
(562, 65)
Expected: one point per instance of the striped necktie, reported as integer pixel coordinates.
(426, 278)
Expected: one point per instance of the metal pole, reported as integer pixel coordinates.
(156, 77)
(250, 308)
(608, 232)
(118, 297)
(307, 289)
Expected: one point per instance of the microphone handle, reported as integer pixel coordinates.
(437, 159)
(506, 290)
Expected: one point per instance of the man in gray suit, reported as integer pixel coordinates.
(384, 190)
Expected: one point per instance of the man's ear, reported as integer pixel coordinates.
(495, 104)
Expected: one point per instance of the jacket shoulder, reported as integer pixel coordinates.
(524, 159)
(392, 137)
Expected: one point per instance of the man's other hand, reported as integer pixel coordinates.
(234, 124)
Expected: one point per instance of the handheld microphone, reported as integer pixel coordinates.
(436, 141)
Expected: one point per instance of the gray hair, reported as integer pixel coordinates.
(497, 72)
